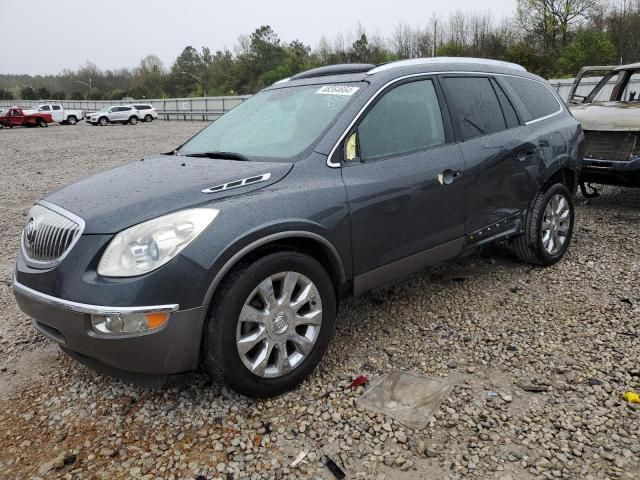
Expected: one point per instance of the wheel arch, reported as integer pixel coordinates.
(567, 176)
(311, 243)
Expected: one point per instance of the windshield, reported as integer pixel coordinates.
(279, 123)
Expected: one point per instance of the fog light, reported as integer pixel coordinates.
(120, 323)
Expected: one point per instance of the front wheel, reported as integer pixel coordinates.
(42, 123)
(548, 227)
(133, 120)
(270, 324)
(103, 121)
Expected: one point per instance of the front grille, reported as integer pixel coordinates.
(49, 235)
(617, 146)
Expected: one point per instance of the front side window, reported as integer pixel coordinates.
(406, 119)
(631, 91)
(536, 96)
(276, 124)
(475, 108)
(45, 108)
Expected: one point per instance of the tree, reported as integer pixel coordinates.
(360, 51)
(27, 93)
(43, 93)
(588, 47)
(548, 22)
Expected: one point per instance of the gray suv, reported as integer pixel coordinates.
(230, 254)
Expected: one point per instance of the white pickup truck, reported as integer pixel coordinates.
(58, 113)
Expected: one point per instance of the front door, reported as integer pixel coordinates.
(405, 195)
(16, 117)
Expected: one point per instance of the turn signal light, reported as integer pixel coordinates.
(121, 323)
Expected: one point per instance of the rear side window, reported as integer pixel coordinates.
(537, 98)
(510, 115)
(142, 107)
(474, 104)
(406, 119)
(56, 107)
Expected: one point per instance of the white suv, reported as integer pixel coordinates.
(148, 112)
(115, 114)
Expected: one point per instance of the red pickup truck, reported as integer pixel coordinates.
(16, 117)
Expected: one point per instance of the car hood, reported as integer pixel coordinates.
(608, 116)
(124, 196)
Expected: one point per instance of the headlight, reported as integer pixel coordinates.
(149, 245)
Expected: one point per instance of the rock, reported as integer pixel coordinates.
(54, 464)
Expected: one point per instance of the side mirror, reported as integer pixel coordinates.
(351, 148)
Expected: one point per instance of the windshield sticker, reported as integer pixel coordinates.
(337, 90)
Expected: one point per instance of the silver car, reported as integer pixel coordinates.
(115, 114)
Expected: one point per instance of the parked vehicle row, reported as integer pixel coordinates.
(230, 254)
(42, 115)
(124, 114)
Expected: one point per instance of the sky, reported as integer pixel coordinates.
(48, 36)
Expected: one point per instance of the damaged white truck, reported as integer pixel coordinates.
(610, 118)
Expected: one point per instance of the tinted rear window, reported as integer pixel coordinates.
(536, 97)
(143, 107)
(476, 109)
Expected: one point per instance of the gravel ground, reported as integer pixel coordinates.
(487, 322)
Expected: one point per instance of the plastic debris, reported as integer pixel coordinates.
(298, 459)
(631, 397)
(359, 381)
(334, 468)
(406, 397)
(491, 394)
(534, 388)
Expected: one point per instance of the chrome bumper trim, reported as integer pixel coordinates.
(60, 303)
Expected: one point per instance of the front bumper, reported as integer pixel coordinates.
(612, 172)
(172, 349)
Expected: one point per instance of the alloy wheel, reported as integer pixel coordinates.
(279, 324)
(556, 224)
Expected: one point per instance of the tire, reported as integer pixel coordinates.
(148, 118)
(72, 120)
(531, 246)
(41, 123)
(103, 121)
(133, 120)
(223, 332)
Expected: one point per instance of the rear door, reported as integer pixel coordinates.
(406, 201)
(501, 167)
(57, 113)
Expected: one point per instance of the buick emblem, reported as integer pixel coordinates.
(30, 231)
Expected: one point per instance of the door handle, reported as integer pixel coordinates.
(449, 176)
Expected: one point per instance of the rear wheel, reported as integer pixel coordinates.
(133, 120)
(104, 121)
(148, 118)
(270, 324)
(41, 122)
(72, 120)
(548, 227)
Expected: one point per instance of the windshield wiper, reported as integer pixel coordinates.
(221, 155)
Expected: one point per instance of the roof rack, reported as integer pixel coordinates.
(439, 60)
(340, 69)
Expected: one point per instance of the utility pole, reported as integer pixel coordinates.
(435, 37)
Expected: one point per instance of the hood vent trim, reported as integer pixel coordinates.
(243, 182)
